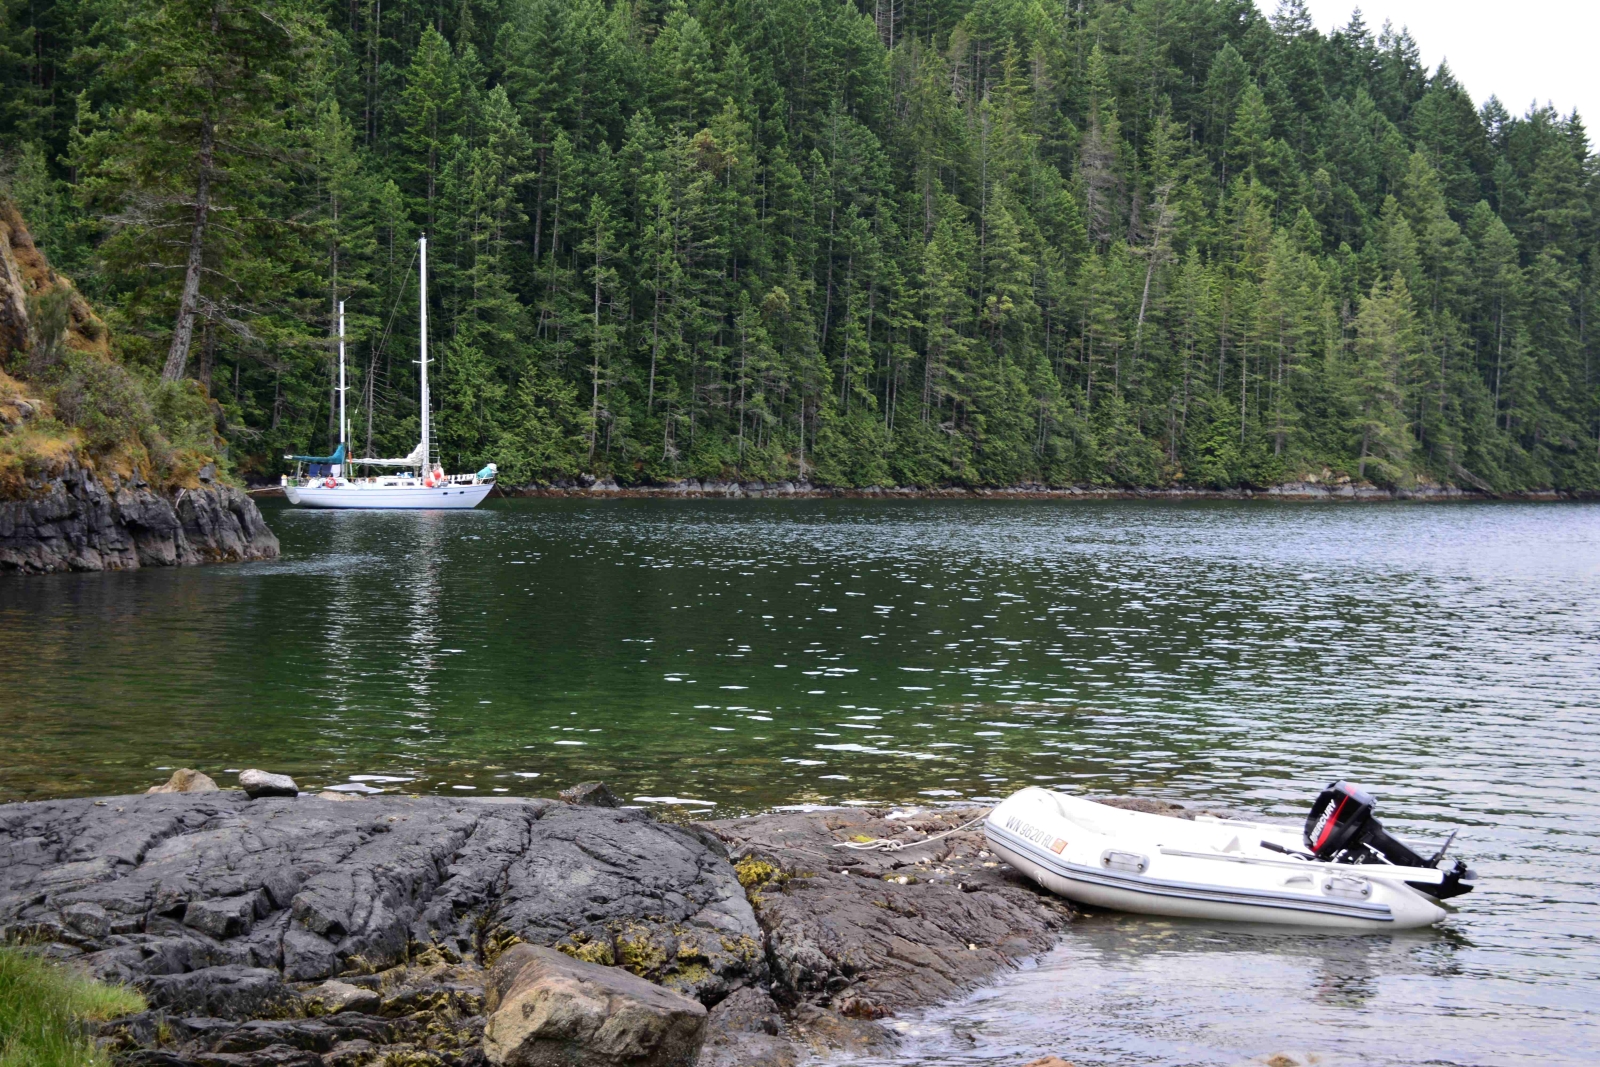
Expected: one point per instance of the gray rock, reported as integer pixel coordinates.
(88, 919)
(747, 1030)
(185, 780)
(74, 522)
(549, 1010)
(156, 886)
(265, 784)
(311, 1035)
(592, 795)
(227, 917)
(332, 997)
(228, 992)
(216, 905)
(866, 934)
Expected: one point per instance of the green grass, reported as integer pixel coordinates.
(41, 1007)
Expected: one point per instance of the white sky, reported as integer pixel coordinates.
(1520, 50)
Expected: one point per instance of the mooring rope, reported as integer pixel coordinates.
(889, 844)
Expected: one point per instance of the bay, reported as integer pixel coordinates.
(730, 656)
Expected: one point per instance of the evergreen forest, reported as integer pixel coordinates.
(856, 242)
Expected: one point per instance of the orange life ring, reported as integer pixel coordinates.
(330, 484)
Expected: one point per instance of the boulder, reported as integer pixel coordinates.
(185, 780)
(591, 795)
(547, 1009)
(265, 784)
(333, 997)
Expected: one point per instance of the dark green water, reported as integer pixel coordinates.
(741, 655)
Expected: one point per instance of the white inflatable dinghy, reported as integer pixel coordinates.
(1343, 875)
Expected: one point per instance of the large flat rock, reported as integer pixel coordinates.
(152, 889)
(297, 930)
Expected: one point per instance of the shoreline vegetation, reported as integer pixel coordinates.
(102, 467)
(46, 1010)
(1303, 491)
(936, 242)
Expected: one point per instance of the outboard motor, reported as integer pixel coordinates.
(1343, 829)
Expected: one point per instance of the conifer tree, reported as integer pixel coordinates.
(970, 242)
(201, 134)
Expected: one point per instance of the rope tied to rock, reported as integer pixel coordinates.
(889, 844)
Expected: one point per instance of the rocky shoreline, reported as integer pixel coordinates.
(325, 931)
(695, 488)
(75, 522)
(1307, 490)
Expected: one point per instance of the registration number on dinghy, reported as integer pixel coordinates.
(1036, 835)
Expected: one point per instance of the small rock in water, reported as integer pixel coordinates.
(591, 795)
(1048, 1061)
(334, 996)
(547, 1009)
(334, 794)
(185, 780)
(264, 784)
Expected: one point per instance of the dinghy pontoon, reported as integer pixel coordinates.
(1345, 873)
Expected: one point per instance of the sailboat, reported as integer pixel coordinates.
(325, 481)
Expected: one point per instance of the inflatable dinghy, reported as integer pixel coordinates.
(1346, 873)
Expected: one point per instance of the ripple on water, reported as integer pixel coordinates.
(1231, 654)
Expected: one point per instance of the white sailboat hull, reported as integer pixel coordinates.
(392, 497)
(1217, 870)
(429, 490)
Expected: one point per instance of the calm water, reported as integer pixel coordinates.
(732, 656)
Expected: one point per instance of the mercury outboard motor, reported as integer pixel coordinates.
(1343, 829)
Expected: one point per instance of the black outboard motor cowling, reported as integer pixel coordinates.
(1343, 829)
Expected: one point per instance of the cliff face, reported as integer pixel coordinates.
(73, 522)
(88, 481)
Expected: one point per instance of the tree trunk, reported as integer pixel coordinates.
(183, 330)
(594, 370)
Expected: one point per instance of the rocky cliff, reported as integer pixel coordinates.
(72, 521)
(90, 478)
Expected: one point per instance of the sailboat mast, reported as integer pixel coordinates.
(426, 453)
(344, 427)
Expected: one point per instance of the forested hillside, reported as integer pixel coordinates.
(1127, 242)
